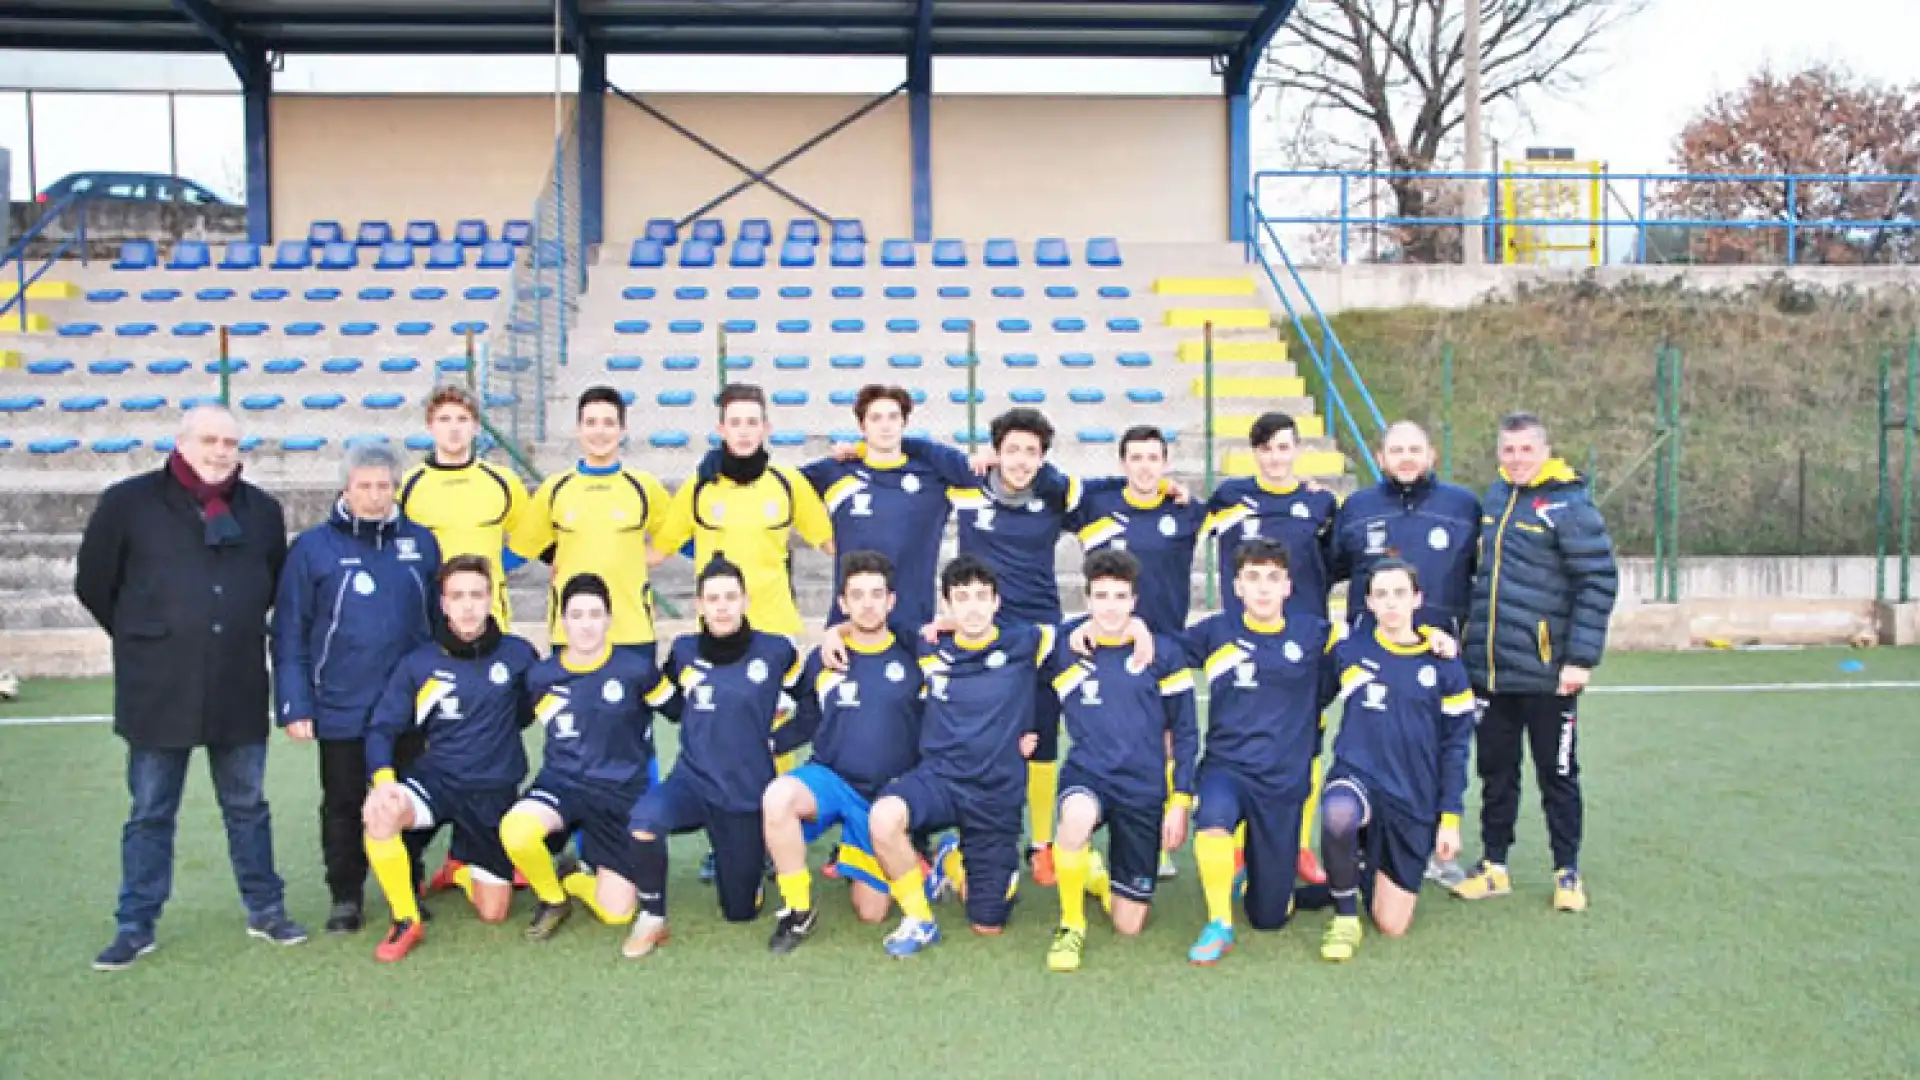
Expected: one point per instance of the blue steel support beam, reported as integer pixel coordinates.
(256, 88)
(1237, 83)
(920, 120)
(593, 133)
(214, 25)
(571, 28)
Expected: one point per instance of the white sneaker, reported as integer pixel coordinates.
(649, 933)
(1448, 874)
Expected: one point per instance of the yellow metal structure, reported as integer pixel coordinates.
(1221, 318)
(41, 290)
(1313, 464)
(1233, 351)
(1199, 286)
(1237, 427)
(1535, 191)
(1251, 386)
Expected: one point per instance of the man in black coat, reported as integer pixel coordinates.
(179, 567)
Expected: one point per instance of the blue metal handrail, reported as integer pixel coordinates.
(16, 254)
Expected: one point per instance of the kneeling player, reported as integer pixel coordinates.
(596, 703)
(1393, 796)
(1269, 675)
(466, 696)
(730, 679)
(1119, 715)
(975, 737)
(864, 722)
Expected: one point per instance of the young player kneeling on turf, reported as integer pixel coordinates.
(730, 679)
(1399, 775)
(974, 741)
(864, 722)
(1269, 674)
(1119, 715)
(596, 703)
(465, 696)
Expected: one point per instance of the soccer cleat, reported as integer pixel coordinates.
(1307, 866)
(1040, 859)
(792, 928)
(442, 880)
(831, 871)
(946, 866)
(910, 937)
(1448, 874)
(128, 946)
(1569, 894)
(709, 869)
(1168, 871)
(400, 941)
(1342, 939)
(1068, 944)
(548, 919)
(345, 918)
(277, 928)
(1214, 943)
(649, 933)
(1489, 879)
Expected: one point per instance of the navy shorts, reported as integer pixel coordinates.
(989, 824)
(598, 815)
(475, 815)
(1133, 834)
(739, 846)
(1392, 841)
(1226, 799)
(840, 804)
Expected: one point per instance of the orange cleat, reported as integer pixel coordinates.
(442, 880)
(1040, 857)
(400, 941)
(1309, 869)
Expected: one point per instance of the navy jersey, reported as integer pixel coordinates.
(726, 717)
(599, 720)
(897, 510)
(1431, 526)
(1302, 520)
(1266, 689)
(864, 722)
(1407, 725)
(980, 702)
(1159, 532)
(1118, 716)
(469, 709)
(1017, 540)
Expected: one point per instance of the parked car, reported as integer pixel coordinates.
(131, 187)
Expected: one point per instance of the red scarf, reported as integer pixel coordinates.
(215, 499)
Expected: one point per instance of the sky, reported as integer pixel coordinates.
(1649, 77)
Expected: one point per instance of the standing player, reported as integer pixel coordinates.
(594, 518)
(1121, 717)
(471, 505)
(864, 723)
(1270, 673)
(974, 738)
(730, 678)
(1394, 795)
(465, 697)
(596, 702)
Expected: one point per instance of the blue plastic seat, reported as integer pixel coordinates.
(686, 326)
(413, 328)
(803, 231)
(905, 360)
(136, 255)
(980, 437)
(739, 362)
(292, 255)
(1095, 435)
(394, 255)
(495, 255)
(1086, 395)
(1027, 395)
(78, 329)
(1115, 292)
(170, 366)
(421, 233)
(647, 254)
(419, 444)
(674, 399)
(681, 363)
(1015, 326)
(135, 329)
(949, 253)
(53, 446)
(710, 231)
(787, 438)
(470, 232)
(696, 255)
(446, 256)
(450, 365)
(398, 365)
(1069, 326)
(109, 296)
(303, 444)
(1021, 360)
(159, 296)
(1134, 360)
(1146, 395)
(896, 254)
(476, 327)
(796, 292)
(847, 362)
(955, 326)
(900, 292)
(1001, 254)
(955, 292)
(267, 294)
(380, 294)
(359, 329)
(848, 326)
(632, 326)
(1051, 251)
(842, 398)
(843, 435)
(903, 326)
(623, 363)
(793, 326)
(755, 231)
(639, 292)
(20, 403)
(323, 402)
(339, 257)
(789, 398)
(196, 400)
(959, 360)
(232, 365)
(83, 403)
(959, 396)
(213, 295)
(320, 296)
(49, 367)
(1076, 360)
(190, 255)
(322, 233)
(661, 231)
(849, 292)
(748, 254)
(668, 440)
(791, 363)
(1062, 292)
(849, 230)
(240, 255)
(143, 403)
(1124, 326)
(1009, 292)
(385, 400)
(192, 329)
(796, 255)
(740, 326)
(690, 292)
(121, 367)
(284, 365)
(1103, 251)
(114, 444)
(262, 402)
(517, 233)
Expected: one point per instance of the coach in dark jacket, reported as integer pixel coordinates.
(179, 567)
(1412, 516)
(1541, 600)
(358, 593)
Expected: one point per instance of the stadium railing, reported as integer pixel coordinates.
(17, 254)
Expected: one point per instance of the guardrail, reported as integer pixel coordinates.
(17, 254)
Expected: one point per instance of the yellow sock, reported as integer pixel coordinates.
(1099, 882)
(463, 877)
(1043, 787)
(1214, 853)
(796, 889)
(1311, 810)
(1071, 868)
(525, 838)
(910, 892)
(582, 887)
(394, 871)
(1240, 837)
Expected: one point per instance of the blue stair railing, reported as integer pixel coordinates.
(1329, 357)
(17, 254)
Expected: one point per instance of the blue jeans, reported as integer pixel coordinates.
(155, 779)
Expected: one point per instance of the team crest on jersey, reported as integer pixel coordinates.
(910, 484)
(757, 671)
(895, 672)
(1292, 652)
(1300, 510)
(1034, 506)
(1090, 692)
(984, 519)
(1437, 539)
(499, 673)
(862, 504)
(772, 509)
(563, 725)
(407, 548)
(1250, 528)
(996, 659)
(703, 697)
(1376, 537)
(363, 583)
(1243, 675)
(1428, 677)
(1375, 697)
(612, 692)
(1167, 525)
(849, 692)
(716, 509)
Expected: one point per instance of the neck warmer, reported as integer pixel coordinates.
(721, 651)
(215, 500)
(743, 470)
(996, 486)
(488, 640)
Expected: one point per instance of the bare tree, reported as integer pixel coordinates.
(1353, 74)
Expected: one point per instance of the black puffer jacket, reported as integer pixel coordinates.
(1545, 587)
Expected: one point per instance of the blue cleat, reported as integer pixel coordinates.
(709, 869)
(1215, 942)
(940, 882)
(1239, 885)
(911, 937)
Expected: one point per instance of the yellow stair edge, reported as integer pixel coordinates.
(1194, 352)
(1252, 386)
(1313, 464)
(35, 324)
(1239, 425)
(1222, 318)
(41, 290)
(1203, 286)
(9, 359)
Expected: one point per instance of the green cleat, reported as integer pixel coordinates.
(1068, 944)
(1342, 939)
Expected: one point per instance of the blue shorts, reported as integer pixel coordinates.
(839, 804)
(598, 815)
(739, 849)
(989, 824)
(474, 814)
(1227, 799)
(1133, 834)
(1392, 841)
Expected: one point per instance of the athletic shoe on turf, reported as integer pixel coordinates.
(548, 919)
(277, 928)
(1448, 874)
(400, 941)
(1214, 943)
(709, 869)
(1569, 894)
(832, 869)
(128, 946)
(1040, 860)
(1064, 954)
(442, 880)
(1342, 939)
(791, 928)
(649, 933)
(942, 880)
(1307, 867)
(911, 936)
(1489, 879)
(345, 918)
(1168, 871)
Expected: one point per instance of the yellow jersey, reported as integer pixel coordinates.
(471, 508)
(751, 523)
(588, 520)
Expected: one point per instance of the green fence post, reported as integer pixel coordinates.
(973, 386)
(226, 372)
(1908, 426)
(1881, 509)
(1660, 474)
(720, 360)
(1207, 474)
(1446, 412)
(1676, 369)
